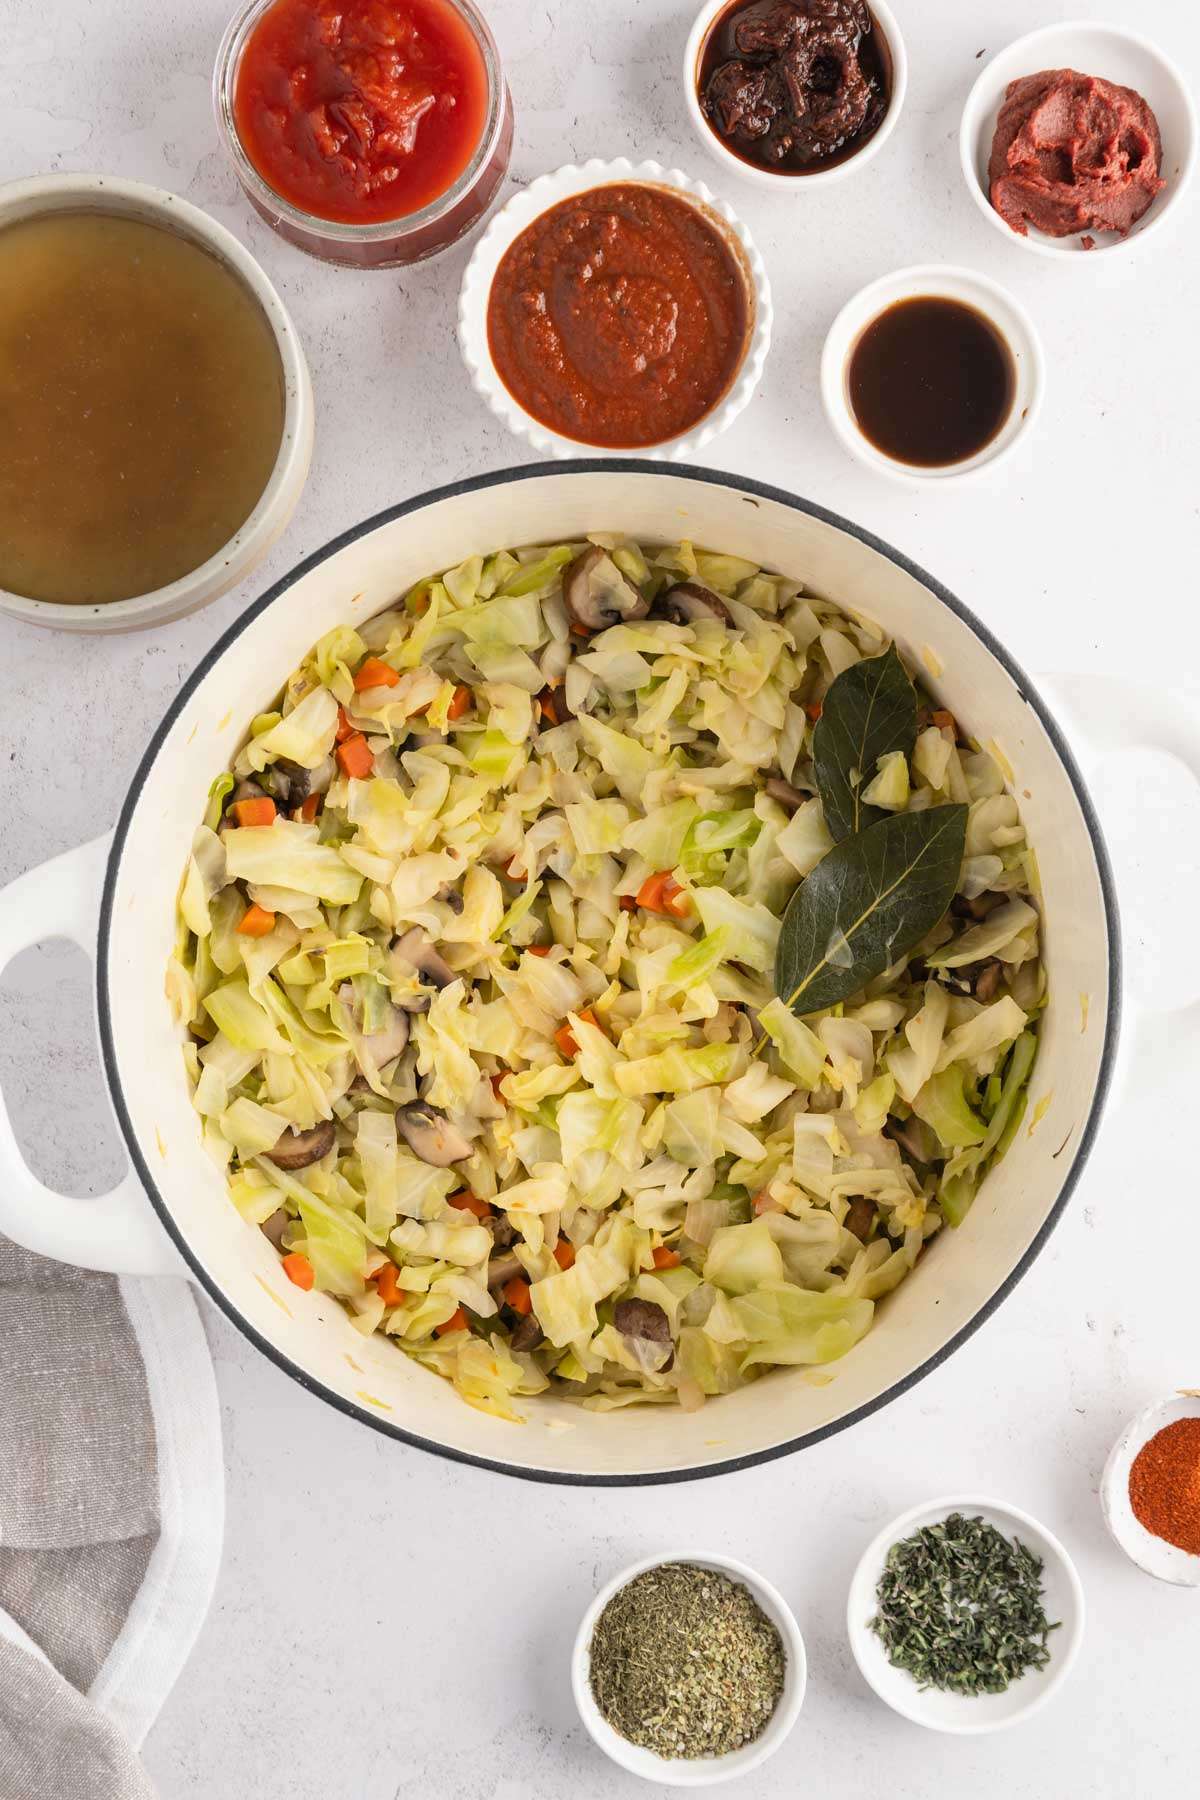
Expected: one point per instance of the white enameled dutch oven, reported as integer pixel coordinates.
(117, 897)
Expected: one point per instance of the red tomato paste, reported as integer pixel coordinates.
(361, 110)
(619, 317)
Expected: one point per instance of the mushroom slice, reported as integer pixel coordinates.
(596, 593)
(642, 1319)
(527, 1335)
(785, 793)
(689, 601)
(386, 1044)
(860, 1216)
(296, 1149)
(431, 1136)
(414, 949)
(988, 980)
(503, 1268)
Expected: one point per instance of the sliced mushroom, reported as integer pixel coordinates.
(504, 1232)
(988, 980)
(910, 1135)
(980, 906)
(527, 1335)
(785, 793)
(274, 1227)
(431, 1136)
(300, 784)
(596, 593)
(296, 1149)
(247, 790)
(386, 1044)
(859, 1218)
(451, 897)
(689, 601)
(503, 1268)
(414, 949)
(642, 1319)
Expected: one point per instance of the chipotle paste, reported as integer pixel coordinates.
(619, 317)
(1073, 153)
(795, 85)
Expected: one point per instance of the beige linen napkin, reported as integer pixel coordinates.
(111, 1514)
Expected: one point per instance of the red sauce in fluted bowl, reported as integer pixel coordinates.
(621, 316)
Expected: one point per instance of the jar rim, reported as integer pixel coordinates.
(225, 72)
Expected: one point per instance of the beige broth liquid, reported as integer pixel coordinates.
(141, 406)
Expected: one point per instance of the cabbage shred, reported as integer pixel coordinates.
(672, 1183)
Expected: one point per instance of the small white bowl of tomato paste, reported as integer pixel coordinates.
(1078, 138)
(618, 307)
(370, 133)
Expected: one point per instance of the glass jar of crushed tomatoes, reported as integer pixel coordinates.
(367, 132)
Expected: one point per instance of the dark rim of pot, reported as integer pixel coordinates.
(752, 492)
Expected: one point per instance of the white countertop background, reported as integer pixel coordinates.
(392, 1627)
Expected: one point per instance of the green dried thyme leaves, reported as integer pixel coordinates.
(960, 1607)
(685, 1662)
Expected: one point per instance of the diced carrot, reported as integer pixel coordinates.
(375, 673)
(259, 811)
(661, 893)
(813, 710)
(256, 922)
(538, 949)
(297, 1268)
(763, 1203)
(356, 757)
(628, 903)
(564, 1253)
(945, 721)
(664, 1258)
(390, 1291)
(495, 1080)
(516, 1294)
(564, 1037)
(510, 870)
(456, 1322)
(548, 707)
(581, 631)
(460, 703)
(310, 808)
(344, 728)
(466, 1201)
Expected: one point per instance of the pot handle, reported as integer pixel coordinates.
(1103, 714)
(117, 1231)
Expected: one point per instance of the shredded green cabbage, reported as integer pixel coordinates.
(505, 1072)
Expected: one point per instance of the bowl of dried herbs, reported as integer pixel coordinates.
(689, 1670)
(965, 1615)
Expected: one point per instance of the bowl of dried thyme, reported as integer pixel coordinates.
(688, 1670)
(965, 1615)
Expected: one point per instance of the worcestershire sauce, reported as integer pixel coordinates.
(930, 381)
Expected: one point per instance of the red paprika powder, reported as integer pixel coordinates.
(1164, 1485)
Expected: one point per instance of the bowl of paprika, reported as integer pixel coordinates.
(1150, 1490)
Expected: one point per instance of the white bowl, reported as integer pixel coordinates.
(1092, 48)
(507, 226)
(961, 1714)
(250, 543)
(777, 179)
(701, 1771)
(987, 297)
(1164, 1560)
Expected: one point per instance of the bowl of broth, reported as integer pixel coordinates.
(156, 415)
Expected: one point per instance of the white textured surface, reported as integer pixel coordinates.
(388, 1627)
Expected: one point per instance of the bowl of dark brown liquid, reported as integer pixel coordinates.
(160, 409)
(931, 374)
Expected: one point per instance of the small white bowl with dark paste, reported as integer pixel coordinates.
(968, 1714)
(702, 1771)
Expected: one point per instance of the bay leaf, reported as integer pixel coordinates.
(866, 904)
(870, 709)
